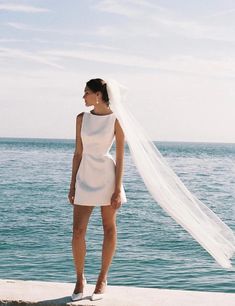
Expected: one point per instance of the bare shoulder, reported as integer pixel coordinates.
(79, 118)
(116, 124)
(118, 128)
(79, 147)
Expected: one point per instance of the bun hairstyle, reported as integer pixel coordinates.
(96, 85)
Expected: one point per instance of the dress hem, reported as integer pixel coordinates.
(107, 204)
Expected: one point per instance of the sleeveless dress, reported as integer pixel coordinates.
(95, 179)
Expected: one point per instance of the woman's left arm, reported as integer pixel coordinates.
(120, 145)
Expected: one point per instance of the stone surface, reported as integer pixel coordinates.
(18, 292)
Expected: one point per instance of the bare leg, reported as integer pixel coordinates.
(109, 244)
(81, 216)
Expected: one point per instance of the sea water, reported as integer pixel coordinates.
(152, 250)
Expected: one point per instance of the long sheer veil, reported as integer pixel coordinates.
(167, 188)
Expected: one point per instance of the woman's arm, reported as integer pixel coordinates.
(120, 143)
(77, 157)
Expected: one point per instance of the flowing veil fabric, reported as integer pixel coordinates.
(167, 188)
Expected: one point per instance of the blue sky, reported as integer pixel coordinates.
(176, 57)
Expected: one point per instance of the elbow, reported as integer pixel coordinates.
(77, 155)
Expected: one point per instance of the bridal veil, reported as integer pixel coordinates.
(167, 188)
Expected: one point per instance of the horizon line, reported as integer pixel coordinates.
(73, 139)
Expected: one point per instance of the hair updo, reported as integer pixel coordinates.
(96, 85)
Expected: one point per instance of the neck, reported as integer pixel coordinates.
(101, 109)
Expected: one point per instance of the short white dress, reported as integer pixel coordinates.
(95, 179)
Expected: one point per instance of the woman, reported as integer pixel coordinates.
(90, 183)
(96, 181)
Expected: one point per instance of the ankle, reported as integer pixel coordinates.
(103, 276)
(100, 287)
(80, 276)
(79, 286)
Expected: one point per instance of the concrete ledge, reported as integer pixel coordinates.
(18, 292)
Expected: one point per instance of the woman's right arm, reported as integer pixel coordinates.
(77, 157)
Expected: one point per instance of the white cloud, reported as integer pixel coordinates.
(68, 43)
(95, 46)
(17, 25)
(28, 56)
(22, 8)
(224, 67)
(13, 40)
(26, 27)
(116, 7)
(116, 58)
(147, 4)
(128, 8)
(195, 30)
(221, 13)
(183, 64)
(155, 21)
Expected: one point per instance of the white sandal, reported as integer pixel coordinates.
(78, 296)
(98, 296)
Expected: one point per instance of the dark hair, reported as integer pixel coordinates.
(99, 85)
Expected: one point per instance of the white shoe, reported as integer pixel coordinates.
(98, 296)
(78, 296)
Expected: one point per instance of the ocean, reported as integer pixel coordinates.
(152, 250)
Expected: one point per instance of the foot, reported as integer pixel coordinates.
(99, 289)
(78, 290)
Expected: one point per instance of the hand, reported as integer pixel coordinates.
(116, 199)
(71, 195)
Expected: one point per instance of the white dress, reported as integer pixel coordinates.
(95, 180)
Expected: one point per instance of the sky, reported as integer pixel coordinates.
(177, 59)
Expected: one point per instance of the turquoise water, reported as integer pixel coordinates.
(152, 250)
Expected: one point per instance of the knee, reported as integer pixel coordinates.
(110, 230)
(79, 233)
